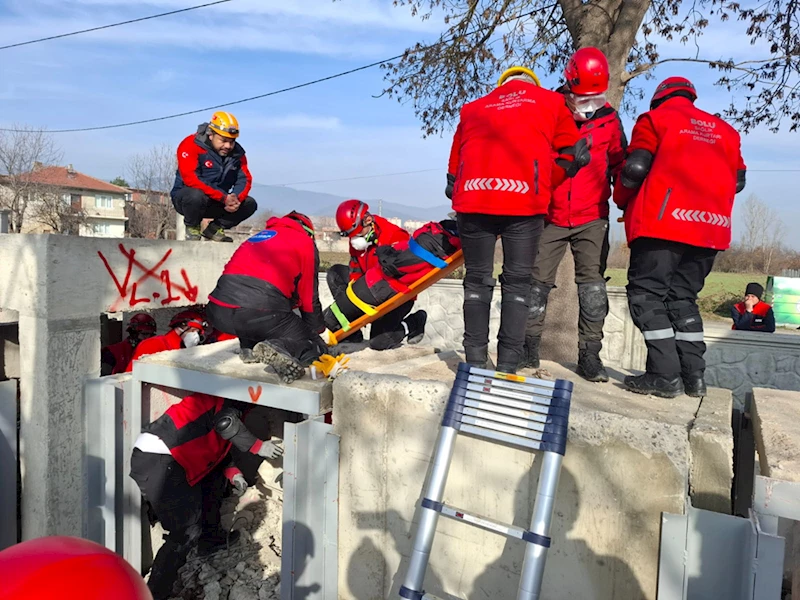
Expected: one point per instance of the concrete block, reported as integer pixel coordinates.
(627, 461)
(711, 442)
(777, 432)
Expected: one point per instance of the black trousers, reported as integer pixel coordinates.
(589, 245)
(520, 238)
(251, 326)
(188, 512)
(385, 333)
(664, 279)
(195, 206)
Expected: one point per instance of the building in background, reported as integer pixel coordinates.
(412, 226)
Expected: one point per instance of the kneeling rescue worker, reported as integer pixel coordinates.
(269, 275)
(683, 169)
(578, 216)
(116, 358)
(182, 466)
(367, 233)
(511, 148)
(187, 329)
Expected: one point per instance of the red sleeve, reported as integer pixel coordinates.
(188, 152)
(245, 178)
(144, 348)
(616, 150)
(355, 267)
(398, 234)
(455, 153)
(644, 137)
(308, 276)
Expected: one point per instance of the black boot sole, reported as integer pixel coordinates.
(288, 369)
(656, 393)
(418, 337)
(248, 357)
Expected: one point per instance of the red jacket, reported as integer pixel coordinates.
(761, 319)
(688, 194)
(159, 343)
(387, 233)
(282, 257)
(120, 353)
(504, 149)
(584, 198)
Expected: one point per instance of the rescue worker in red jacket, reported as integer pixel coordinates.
(213, 181)
(684, 167)
(511, 148)
(117, 357)
(269, 275)
(367, 233)
(188, 329)
(752, 314)
(67, 568)
(578, 216)
(182, 465)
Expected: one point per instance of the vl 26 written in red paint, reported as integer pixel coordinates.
(137, 274)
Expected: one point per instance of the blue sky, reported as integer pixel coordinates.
(332, 130)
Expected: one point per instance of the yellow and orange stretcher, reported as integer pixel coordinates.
(373, 313)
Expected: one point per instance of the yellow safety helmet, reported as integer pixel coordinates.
(518, 71)
(225, 124)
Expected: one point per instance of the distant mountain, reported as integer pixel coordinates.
(283, 199)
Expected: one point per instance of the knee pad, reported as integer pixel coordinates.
(593, 301)
(478, 289)
(228, 423)
(539, 294)
(644, 308)
(685, 315)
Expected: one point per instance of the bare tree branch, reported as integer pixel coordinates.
(151, 214)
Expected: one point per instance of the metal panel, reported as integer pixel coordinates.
(8, 463)
(310, 547)
(672, 558)
(132, 411)
(768, 564)
(776, 498)
(276, 396)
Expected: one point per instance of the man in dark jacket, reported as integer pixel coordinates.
(269, 275)
(578, 216)
(117, 357)
(752, 314)
(213, 181)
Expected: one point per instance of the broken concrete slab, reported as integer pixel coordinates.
(711, 444)
(627, 461)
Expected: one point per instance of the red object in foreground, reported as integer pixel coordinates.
(66, 568)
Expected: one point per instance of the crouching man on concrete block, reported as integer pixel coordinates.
(181, 464)
(271, 274)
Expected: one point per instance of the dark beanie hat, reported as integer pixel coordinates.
(755, 289)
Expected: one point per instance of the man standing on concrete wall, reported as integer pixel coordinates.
(683, 169)
(500, 177)
(213, 181)
(578, 216)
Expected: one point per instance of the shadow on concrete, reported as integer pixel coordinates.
(303, 544)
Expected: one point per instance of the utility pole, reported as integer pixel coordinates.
(380, 207)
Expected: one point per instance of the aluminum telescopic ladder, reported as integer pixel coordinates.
(520, 411)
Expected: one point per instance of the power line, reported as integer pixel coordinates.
(353, 178)
(63, 35)
(283, 90)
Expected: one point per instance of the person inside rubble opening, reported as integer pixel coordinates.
(578, 216)
(367, 233)
(672, 248)
(398, 266)
(188, 329)
(752, 314)
(510, 149)
(213, 181)
(272, 273)
(182, 465)
(116, 358)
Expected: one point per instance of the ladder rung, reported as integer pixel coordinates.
(486, 523)
(514, 440)
(507, 376)
(537, 408)
(526, 389)
(557, 429)
(522, 396)
(515, 431)
(513, 412)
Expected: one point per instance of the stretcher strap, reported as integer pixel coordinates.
(360, 304)
(340, 317)
(425, 255)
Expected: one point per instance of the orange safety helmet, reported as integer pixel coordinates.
(68, 569)
(225, 124)
(350, 217)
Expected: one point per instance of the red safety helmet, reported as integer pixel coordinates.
(587, 72)
(672, 86)
(68, 569)
(141, 323)
(350, 217)
(306, 222)
(190, 318)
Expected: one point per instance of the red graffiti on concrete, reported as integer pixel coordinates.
(131, 283)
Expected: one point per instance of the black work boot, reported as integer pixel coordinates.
(216, 233)
(247, 356)
(193, 233)
(479, 357)
(530, 353)
(274, 354)
(590, 367)
(216, 541)
(416, 326)
(506, 368)
(653, 384)
(694, 384)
